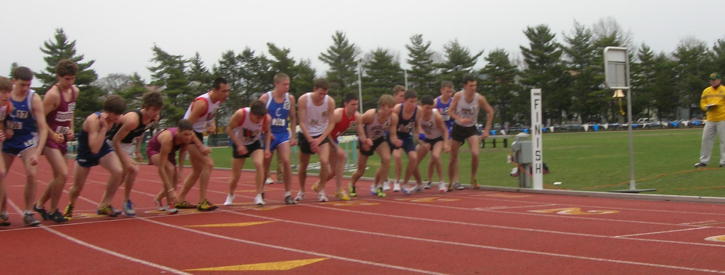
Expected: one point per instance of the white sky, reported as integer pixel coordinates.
(119, 34)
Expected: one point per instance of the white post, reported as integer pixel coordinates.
(537, 145)
(405, 79)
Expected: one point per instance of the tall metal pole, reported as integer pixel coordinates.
(359, 86)
(632, 183)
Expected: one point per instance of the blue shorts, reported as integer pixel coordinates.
(277, 139)
(408, 144)
(19, 143)
(87, 159)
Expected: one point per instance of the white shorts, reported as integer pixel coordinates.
(129, 149)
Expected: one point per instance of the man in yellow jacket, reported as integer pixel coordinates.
(712, 102)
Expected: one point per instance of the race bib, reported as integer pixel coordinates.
(278, 122)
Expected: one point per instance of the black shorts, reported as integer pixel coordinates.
(461, 133)
(86, 158)
(305, 145)
(433, 142)
(250, 149)
(408, 144)
(370, 152)
(200, 136)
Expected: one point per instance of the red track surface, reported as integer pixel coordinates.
(459, 232)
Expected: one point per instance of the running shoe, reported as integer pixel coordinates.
(205, 205)
(4, 219)
(229, 200)
(300, 196)
(57, 217)
(343, 196)
(258, 200)
(108, 210)
(128, 209)
(321, 197)
(68, 213)
(288, 199)
(353, 191)
(699, 164)
(171, 210)
(442, 187)
(428, 185)
(380, 193)
(161, 207)
(373, 189)
(396, 187)
(268, 181)
(185, 205)
(30, 220)
(408, 191)
(458, 186)
(43, 214)
(386, 185)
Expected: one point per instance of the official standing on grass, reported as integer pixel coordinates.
(712, 102)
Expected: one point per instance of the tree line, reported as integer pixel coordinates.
(568, 67)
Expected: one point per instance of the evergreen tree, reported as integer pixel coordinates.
(422, 67)
(500, 87)
(587, 99)
(61, 48)
(664, 93)
(303, 80)
(198, 75)
(341, 56)
(643, 82)
(13, 66)
(458, 62)
(133, 91)
(718, 56)
(381, 72)
(257, 75)
(693, 66)
(169, 73)
(545, 70)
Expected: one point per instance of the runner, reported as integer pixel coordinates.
(315, 109)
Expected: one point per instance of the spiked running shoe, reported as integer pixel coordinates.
(4, 219)
(343, 196)
(288, 199)
(353, 191)
(68, 213)
(43, 214)
(30, 220)
(185, 205)
(57, 217)
(172, 210)
(128, 209)
(229, 200)
(205, 205)
(396, 187)
(380, 193)
(321, 197)
(300, 196)
(258, 200)
(108, 210)
(386, 185)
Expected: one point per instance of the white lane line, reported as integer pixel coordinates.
(660, 232)
(488, 247)
(512, 207)
(318, 254)
(101, 249)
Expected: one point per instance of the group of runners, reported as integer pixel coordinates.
(31, 126)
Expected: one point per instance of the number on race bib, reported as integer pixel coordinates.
(278, 122)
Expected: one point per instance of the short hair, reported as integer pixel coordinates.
(446, 84)
(258, 108)
(184, 125)
(426, 100)
(386, 100)
(114, 104)
(152, 99)
(5, 84)
(349, 97)
(23, 73)
(218, 82)
(397, 89)
(469, 78)
(278, 77)
(321, 83)
(66, 67)
(410, 94)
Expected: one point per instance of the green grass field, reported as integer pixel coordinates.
(595, 161)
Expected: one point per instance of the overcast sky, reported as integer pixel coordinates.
(119, 34)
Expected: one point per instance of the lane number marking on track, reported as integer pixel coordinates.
(574, 211)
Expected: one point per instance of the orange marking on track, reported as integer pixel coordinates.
(720, 238)
(574, 211)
